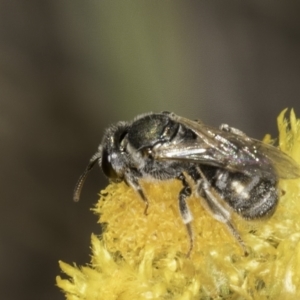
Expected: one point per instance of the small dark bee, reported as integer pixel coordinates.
(231, 171)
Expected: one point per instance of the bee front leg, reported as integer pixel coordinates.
(216, 206)
(131, 178)
(185, 211)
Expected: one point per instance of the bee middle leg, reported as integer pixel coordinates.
(185, 211)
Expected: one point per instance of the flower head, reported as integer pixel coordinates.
(142, 256)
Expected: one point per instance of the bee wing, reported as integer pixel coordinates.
(285, 166)
(234, 152)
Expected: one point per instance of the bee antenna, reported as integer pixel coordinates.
(77, 191)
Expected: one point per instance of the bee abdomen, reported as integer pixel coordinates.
(251, 198)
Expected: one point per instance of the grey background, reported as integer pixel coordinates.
(68, 69)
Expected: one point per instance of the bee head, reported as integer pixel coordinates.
(110, 157)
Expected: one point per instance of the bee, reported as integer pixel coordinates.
(231, 171)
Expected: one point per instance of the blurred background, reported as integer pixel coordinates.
(68, 69)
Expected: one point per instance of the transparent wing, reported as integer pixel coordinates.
(234, 152)
(284, 165)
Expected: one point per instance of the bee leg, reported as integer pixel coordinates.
(185, 211)
(131, 178)
(227, 128)
(214, 204)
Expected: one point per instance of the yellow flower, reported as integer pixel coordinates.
(142, 256)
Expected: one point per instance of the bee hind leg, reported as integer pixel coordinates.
(215, 205)
(227, 128)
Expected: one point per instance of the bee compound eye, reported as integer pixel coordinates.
(106, 165)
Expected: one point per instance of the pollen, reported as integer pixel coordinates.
(142, 256)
